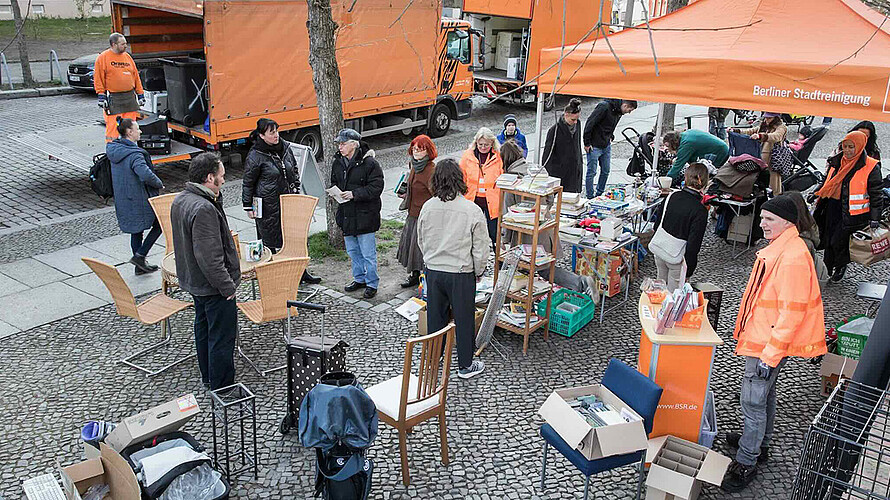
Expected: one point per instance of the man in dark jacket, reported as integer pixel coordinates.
(562, 148)
(599, 132)
(357, 174)
(208, 267)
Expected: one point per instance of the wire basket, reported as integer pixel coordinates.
(847, 449)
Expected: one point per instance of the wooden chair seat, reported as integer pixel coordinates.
(388, 398)
(159, 308)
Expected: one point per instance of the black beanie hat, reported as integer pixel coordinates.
(508, 119)
(783, 206)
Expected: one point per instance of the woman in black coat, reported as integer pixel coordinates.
(270, 171)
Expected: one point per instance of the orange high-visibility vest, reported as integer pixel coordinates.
(858, 190)
(781, 312)
(481, 182)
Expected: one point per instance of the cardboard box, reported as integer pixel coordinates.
(833, 366)
(607, 265)
(514, 67)
(161, 419)
(678, 467)
(740, 228)
(421, 321)
(110, 468)
(611, 286)
(593, 442)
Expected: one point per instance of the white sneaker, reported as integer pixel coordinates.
(471, 371)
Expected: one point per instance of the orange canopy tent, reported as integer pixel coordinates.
(813, 57)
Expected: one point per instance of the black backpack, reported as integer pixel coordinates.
(100, 176)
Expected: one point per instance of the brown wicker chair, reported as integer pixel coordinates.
(152, 311)
(408, 399)
(296, 216)
(161, 206)
(279, 281)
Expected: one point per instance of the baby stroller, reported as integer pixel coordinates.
(339, 420)
(804, 175)
(641, 161)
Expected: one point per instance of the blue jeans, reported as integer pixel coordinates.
(362, 249)
(604, 158)
(141, 247)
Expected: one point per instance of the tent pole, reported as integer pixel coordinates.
(539, 123)
(659, 130)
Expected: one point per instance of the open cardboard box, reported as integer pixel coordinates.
(421, 320)
(678, 467)
(593, 442)
(833, 367)
(110, 468)
(161, 419)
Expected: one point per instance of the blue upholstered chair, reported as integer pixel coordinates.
(639, 393)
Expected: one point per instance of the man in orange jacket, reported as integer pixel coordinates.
(117, 84)
(780, 315)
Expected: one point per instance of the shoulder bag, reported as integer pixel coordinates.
(665, 246)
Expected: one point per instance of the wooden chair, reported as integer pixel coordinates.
(161, 206)
(296, 216)
(152, 311)
(279, 281)
(408, 399)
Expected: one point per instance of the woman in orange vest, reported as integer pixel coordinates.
(481, 165)
(850, 199)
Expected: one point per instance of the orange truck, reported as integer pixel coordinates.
(515, 31)
(230, 62)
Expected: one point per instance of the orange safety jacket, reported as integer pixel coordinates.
(781, 312)
(481, 181)
(859, 201)
(116, 73)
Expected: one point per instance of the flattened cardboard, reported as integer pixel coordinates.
(593, 443)
(161, 419)
(111, 469)
(832, 368)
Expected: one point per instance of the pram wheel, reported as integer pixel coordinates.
(284, 427)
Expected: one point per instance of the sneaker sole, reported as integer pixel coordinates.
(470, 375)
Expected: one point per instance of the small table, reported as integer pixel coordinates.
(630, 242)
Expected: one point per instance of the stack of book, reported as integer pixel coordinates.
(541, 255)
(539, 285)
(507, 180)
(571, 234)
(538, 184)
(604, 207)
(514, 314)
(573, 206)
(521, 213)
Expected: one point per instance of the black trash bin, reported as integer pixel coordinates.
(186, 89)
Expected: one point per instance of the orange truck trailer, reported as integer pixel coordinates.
(515, 31)
(402, 67)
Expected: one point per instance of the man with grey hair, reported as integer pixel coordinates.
(117, 84)
(357, 174)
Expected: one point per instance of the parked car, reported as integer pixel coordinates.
(80, 72)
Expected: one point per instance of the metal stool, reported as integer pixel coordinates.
(234, 408)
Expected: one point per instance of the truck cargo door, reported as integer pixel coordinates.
(455, 73)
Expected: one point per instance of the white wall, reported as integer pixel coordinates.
(56, 8)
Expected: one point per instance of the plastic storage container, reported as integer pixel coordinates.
(565, 323)
(186, 79)
(709, 422)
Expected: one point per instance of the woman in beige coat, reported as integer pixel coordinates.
(770, 132)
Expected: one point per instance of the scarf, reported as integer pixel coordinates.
(832, 186)
(265, 147)
(419, 165)
(482, 158)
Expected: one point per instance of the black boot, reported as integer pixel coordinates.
(309, 279)
(738, 477)
(413, 280)
(142, 267)
(838, 274)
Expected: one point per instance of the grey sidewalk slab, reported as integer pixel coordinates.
(32, 272)
(6, 330)
(139, 285)
(118, 248)
(9, 285)
(45, 304)
(68, 260)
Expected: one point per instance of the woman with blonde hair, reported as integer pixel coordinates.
(481, 165)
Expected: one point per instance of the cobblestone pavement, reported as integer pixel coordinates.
(57, 376)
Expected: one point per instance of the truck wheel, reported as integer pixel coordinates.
(311, 138)
(440, 120)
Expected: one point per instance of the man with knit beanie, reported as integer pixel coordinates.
(511, 133)
(780, 316)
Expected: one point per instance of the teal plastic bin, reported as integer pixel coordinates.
(563, 322)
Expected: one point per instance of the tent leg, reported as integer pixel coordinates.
(659, 132)
(539, 123)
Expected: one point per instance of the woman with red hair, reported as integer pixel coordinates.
(421, 154)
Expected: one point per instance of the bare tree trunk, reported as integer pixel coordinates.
(22, 43)
(670, 110)
(326, 80)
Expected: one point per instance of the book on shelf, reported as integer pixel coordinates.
(506, 180)
(522, 207)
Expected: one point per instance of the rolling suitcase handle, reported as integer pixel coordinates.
(306, 305)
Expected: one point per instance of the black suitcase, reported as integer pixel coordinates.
(308, 358)
(150, 494)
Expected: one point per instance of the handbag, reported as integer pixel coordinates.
(406, 201)
(868, 246)
(781, 159)
(665, 246)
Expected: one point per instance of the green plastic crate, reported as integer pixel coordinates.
(564, 323)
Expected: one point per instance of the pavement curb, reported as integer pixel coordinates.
(38, 92)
